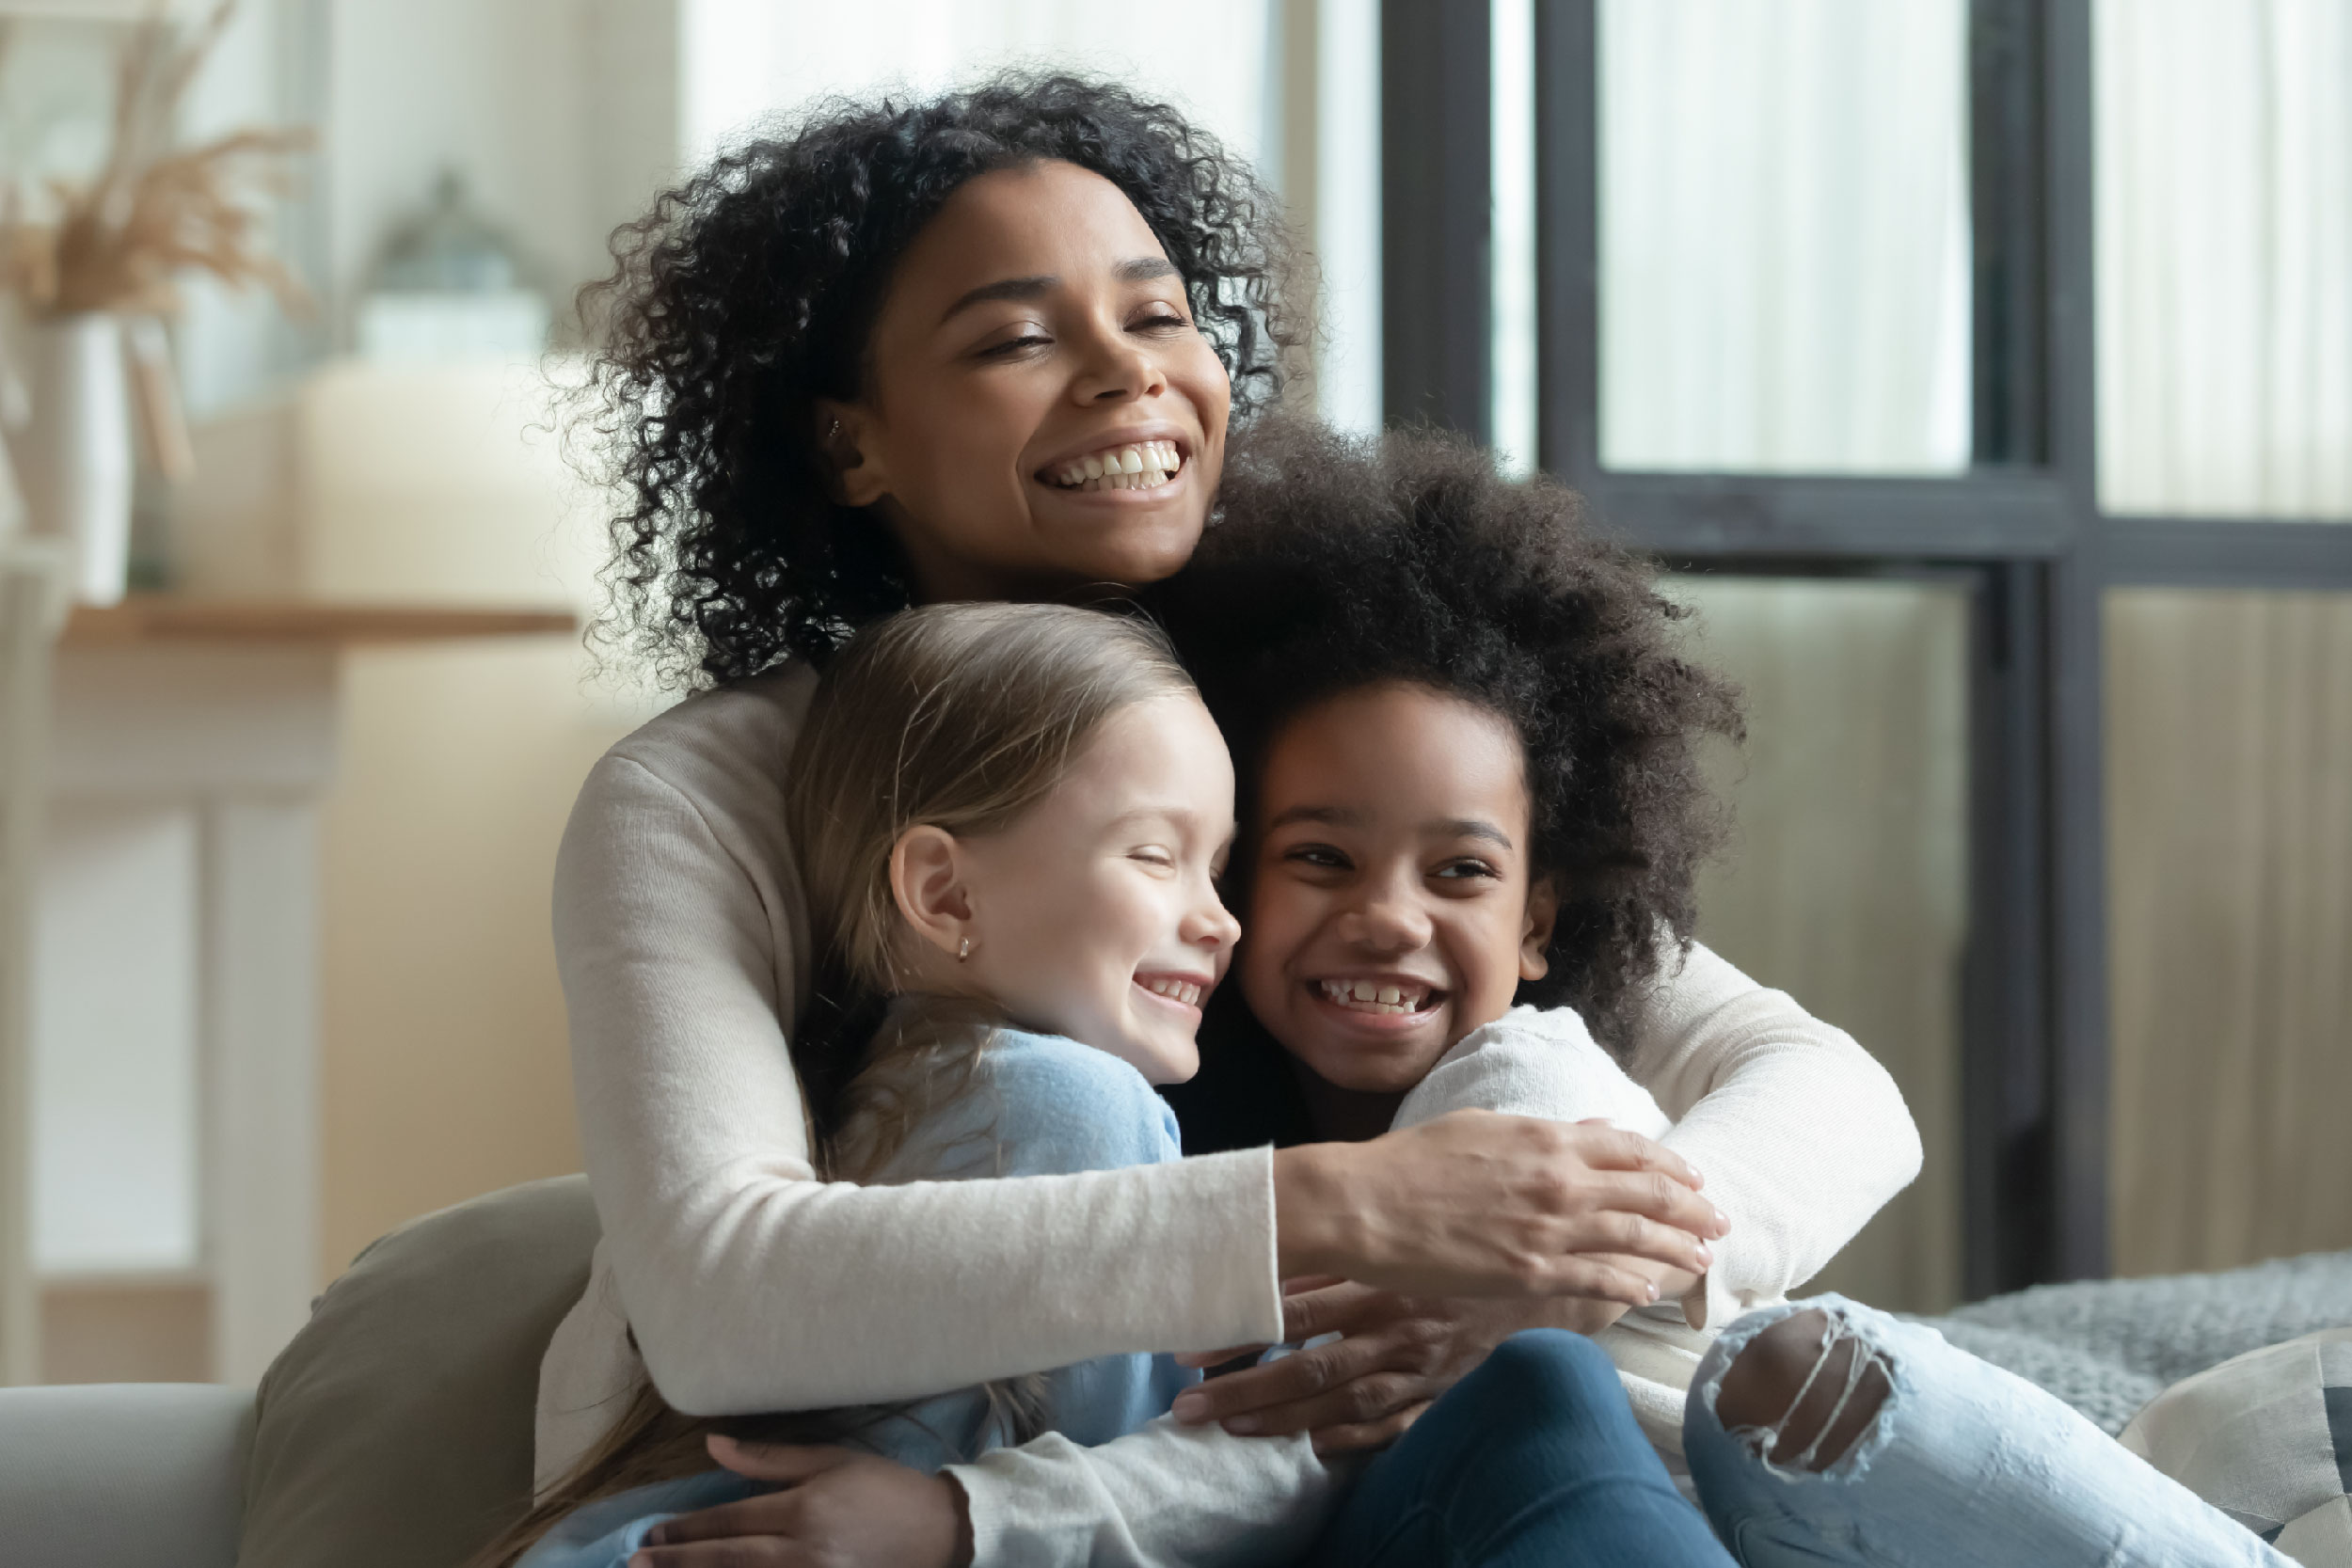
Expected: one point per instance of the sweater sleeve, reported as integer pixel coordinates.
(1534, 1062)
(1165, 1495)
(749, 1285)
(1801, 1133)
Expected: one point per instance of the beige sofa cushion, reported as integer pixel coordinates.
(2266, 1438)
(395, 1431)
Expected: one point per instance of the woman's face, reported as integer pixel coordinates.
(1041, 412)
(1390, 907)
(1095, 914)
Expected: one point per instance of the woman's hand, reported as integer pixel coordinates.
(838, 1509)
(1478, 1204)
(1395, 1354)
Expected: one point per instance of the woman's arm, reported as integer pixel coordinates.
(749, 1286)
(1802, 1135)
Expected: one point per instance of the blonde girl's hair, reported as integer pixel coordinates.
(959, 717)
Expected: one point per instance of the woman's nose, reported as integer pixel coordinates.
(1119, 371)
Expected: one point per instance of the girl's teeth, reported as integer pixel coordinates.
(1371, 996)
(1176, 991)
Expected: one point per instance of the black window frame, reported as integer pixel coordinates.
(2022, 526)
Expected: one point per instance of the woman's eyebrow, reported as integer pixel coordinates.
(1007, 288)
(1139, 269)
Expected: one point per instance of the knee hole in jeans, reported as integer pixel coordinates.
(1806, 1386)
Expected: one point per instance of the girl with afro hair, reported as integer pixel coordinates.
(1470, 812)
(994, 345)
(1467, 751)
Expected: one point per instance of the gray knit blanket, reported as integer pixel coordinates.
(2107, 1346)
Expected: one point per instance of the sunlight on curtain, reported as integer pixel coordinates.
(2230, 866)
(2224, 230)
(744, 61)
(1784, 223)
(1512, 137)
(1845, 881)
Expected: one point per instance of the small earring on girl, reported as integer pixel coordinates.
(965, 951)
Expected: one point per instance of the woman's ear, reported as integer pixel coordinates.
(927, 884)
(853, 474)
(1543, 914)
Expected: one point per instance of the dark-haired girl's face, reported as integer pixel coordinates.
(1391, 910)
(1040, 410)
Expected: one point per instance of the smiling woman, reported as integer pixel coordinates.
(988, 383)
(820, 339)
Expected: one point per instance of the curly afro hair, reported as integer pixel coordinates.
(749, 290)
(1342, 564)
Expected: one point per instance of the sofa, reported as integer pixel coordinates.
(394, 1431)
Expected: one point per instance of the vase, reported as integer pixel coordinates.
(73, 452)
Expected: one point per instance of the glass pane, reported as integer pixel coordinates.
(1783, 235)
(2229, 763)
(1845, 881)
(2224, 215)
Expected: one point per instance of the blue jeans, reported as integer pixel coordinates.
(1965, 1464)
(1533, 1461)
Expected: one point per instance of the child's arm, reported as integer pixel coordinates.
(1535, 1061)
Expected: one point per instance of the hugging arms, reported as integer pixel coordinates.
(875, 364)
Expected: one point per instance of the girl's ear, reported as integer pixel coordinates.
(927, 884)
(852, 475)
(1543, 914)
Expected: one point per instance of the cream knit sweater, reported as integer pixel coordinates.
(684, 947)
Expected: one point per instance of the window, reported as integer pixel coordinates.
(1958, 324)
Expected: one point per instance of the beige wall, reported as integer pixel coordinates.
(445, 1073)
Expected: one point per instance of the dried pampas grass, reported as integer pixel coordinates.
(153, 211)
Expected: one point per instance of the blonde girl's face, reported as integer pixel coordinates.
(1040, 411)
(1095, 914)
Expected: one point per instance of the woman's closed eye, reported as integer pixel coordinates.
(1006, 348)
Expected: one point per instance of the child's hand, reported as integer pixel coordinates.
(838, 1509)
(1394, 1355)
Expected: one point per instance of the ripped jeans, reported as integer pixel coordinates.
(1965, 1464)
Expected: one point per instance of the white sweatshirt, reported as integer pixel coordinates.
(683, 942)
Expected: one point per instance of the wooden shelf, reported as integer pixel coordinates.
(148, 618)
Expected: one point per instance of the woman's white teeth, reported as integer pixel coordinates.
(1372, 996)
(1146, 465)
(1184, 992)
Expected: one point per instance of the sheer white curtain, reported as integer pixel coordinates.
(2225, 365)
(1846, 884)
(2224, 135)
(1785, 269)
(744, 61)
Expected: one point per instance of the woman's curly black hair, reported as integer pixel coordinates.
(750, 292)
(1341, 564)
